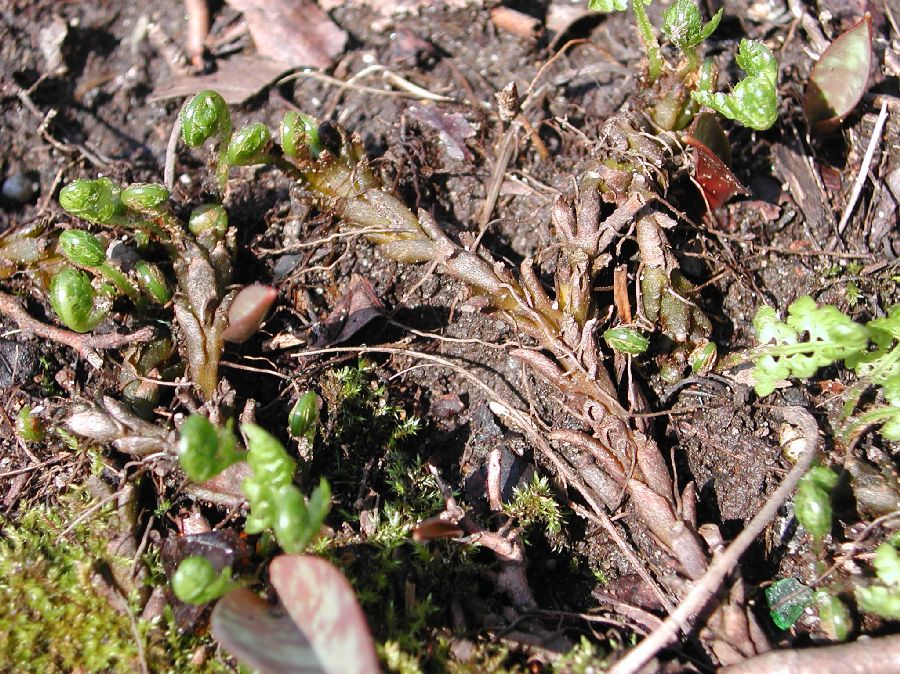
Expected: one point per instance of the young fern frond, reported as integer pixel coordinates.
(813, 337)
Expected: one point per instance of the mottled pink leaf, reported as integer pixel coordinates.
(452, 128)
(322, 604)
(262, 636)
(839, 78)
(247, 311)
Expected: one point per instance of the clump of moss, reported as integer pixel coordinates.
(54, 618)
(362, 420)
(533, 506)
(56, 615)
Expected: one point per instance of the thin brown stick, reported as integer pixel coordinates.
(33, 466)
(87, 345)
(197, 13)
(682, 619)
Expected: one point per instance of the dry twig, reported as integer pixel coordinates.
(864, 168)
(87, 345)
(861, 657)
(682, 619)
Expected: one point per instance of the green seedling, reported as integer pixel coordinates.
(787, 599)
(96, 201)
(834, 615)
(146, 198)
(248, 145)
(85, 250)
(812, 503)
(626, 340)
(195, 581)
(300, 136)
(754, 101)
(883, 598)
(152, 281)
(703, 358)
(204, 450)
(275, 502)
(204, 116)
(304, 416)
(684, 27)
(209, 220)
(200, 253)
(28, 425)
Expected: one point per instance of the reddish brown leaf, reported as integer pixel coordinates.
(435, 527)
(262, 636)
(237, 79)
(716, 180)
(706, 129)
(247, 311)
(322, 604)
(839, 78)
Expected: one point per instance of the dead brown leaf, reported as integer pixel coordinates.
(296, 32)
(356, 308)
(237, 79)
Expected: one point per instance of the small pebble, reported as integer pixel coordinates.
(20, 187)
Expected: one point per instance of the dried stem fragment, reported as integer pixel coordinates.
(87, 345)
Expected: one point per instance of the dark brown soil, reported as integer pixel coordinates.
(94, 114)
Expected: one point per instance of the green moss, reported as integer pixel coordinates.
(54, 618)
(53, 615)
(362, 420)
(533, 505)
(584, 658)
